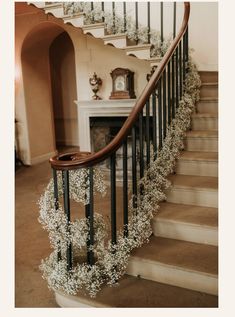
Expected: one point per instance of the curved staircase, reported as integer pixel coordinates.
(179, 266)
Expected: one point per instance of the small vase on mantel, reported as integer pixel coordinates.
(95, 83)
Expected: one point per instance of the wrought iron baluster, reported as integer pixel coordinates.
(114, 17)
(160, 112)
(180, 69)
(124, 16)
(154, 113)
(177, 77)
(141, 142)
(113, 198)
(102, 8)
(56, 201)
(147, 133)
(174, 20)
(125, 188)
(136, 22)
(169, 91)
(162, 36)
(148, 17)
(134, 169)
(173, 86)
(65, 175)
(164, 104)
(184, 58)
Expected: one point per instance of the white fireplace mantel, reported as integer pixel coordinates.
(99, 108)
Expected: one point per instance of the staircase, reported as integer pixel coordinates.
(179, 266)
(182, 256)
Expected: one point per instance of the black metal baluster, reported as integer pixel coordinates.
(114, 18)
(92, 6)
(164, 105)
(184, 58)
(186, 44)
(169, 91)
(102, 8)
(125, 189)
(160, 112)
(65, 175)
(141, 138)
(124, 16)
(154, 113)
(173, 86)
(90, 216)
(180, 69)
(113, 197)
(147, 133)
(148, 17)
(174, 20)
(162, 37)
(136, 22)
(56, 201)
(177, 77)
(134, 170)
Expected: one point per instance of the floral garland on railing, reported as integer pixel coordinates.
(116, 26)
(111, 260)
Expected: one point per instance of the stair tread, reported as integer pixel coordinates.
(138, 292)
(199, 156)
(196, 182)
(189, 214)
(204, 115)
(182, 254)
(208, 99)
(209, 84)
(202, 134)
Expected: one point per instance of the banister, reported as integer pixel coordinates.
(80, 161)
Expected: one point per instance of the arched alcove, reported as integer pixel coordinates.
(63, 83)
(38, 87)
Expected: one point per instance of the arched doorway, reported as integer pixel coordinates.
(63, 83)
(39, 78)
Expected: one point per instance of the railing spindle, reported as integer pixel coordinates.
(173, 86)
(125, 188)
(160, 113)
(134, 169)
(154, 113)
(90, 217)
(184, 57)
(162, 37)
(177, 77)
(136, 21)
(102, 8)
(169, 91)
(174, 20)
(180, 69)
(148, 17)
(164, 105)
(124, 16)
(113, 198)
(141, 138)
(147, 133)
(65, 175)
(56, 201)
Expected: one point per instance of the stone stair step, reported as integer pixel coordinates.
(187, 222)
(76, 20)
(207, 105)
(56, 9)
(208, 77)
(204, 121)
(193, 190)
(180, 263)
(141, 51)
(209, 90)
(96, 29)
(137, 292)
(116, 40)
(199, 140)
(198, 163)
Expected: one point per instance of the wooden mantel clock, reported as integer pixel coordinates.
(123, 84)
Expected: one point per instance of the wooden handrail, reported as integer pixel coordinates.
(80, 161)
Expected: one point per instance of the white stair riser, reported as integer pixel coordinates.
(119, 43)
(78, 21)
(197, 197)
(205, 123)
(209, 91)
(184, 231)
(57, 12)
(141, 54)
(96, 32)
(201, 144)
(207, 107)
(172, 275)
(197, 168)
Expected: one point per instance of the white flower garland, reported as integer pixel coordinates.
(116, 26)
(111, 260)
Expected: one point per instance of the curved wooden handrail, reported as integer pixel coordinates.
(80, 161)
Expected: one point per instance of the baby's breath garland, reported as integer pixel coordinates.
(112, 260)
(115, 25)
